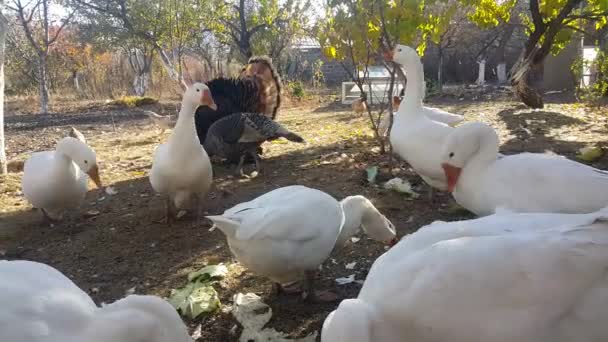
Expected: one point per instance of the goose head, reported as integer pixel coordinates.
(198, 94)
(351, 321)
(359, 212)
(138, 318)
(82, 155)
(463, 144)
(402, 55)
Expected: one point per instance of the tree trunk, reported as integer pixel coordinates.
(43, 89)
(3, 29)
(481, 73)
(534, 54)
(140, 84)
(141, 65)
(440, 72)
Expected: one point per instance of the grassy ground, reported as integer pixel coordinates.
(121, 247)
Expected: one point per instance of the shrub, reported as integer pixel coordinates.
(134, 101)
(599, 88)
(296, 89)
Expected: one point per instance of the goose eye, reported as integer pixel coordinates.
(198, 90)
(451, 154)
(86, 162)
(399, 50)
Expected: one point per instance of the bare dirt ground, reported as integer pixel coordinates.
(121, 247)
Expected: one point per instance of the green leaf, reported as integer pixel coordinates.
(195, 299)
(202, 300)
(211, 272)
(372, 172)
(198, 296)
(590, 154)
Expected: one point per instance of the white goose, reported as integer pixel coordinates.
(432, 113)
(414, 136)
(507, 277)
(181, 170)
(526, 182)
(287, 233)
(56, 181)
(39, 304)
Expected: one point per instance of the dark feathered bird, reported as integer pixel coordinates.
(231, 96)
(238, 135)
(257, 90)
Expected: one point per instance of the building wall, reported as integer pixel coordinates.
(301, 66)
(556, 69)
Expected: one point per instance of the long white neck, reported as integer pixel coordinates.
(414, 88)
(487, 151)
(354, 207)
(184, 130)
(65, 149)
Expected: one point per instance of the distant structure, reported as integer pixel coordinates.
(305, 53)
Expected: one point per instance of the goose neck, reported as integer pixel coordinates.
(64, 151)
(487, 150)
(184, 126)
(354, 208)
(415, 86)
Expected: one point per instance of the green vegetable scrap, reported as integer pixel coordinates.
(199, 296)
(590, 154)
(372, 172)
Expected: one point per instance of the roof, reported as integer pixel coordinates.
(306, 43)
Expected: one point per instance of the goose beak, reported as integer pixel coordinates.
(388, 55)
(452, 173)
(94, 175)
(207, 99)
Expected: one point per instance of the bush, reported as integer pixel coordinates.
(296, 89)
(432, 87)
(599, 88)
(134, 101)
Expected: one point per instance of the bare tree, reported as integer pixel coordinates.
(140, 60)
(40, 38)
(3, 29)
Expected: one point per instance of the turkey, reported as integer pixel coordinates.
(251, 93)
(261, 69)
(238, 135)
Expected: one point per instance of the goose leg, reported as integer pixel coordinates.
(46, 219)
(199, 209)
(257, 160)
(277, 289)
(289, 289)
(316, 296)
(170, 211)
(239, 167)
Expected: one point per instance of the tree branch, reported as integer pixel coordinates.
(537, 18)
(63, 24)
(25, 24)
(257, 28)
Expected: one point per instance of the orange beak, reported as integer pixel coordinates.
(396, 102)
(207, 99)
(94, 175)
(388, 55)
(452, 173)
